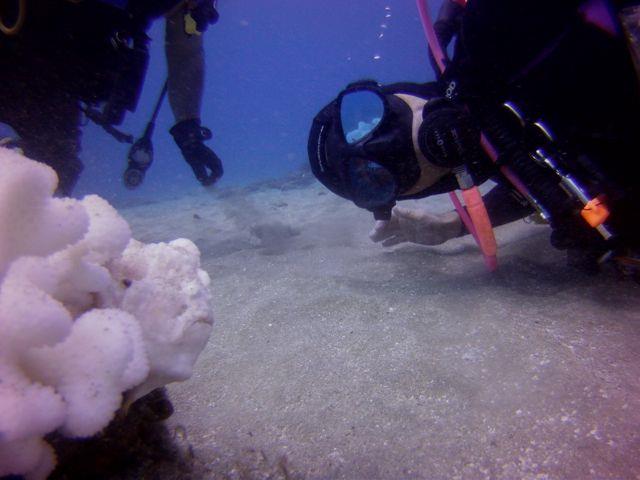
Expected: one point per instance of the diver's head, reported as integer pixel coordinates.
(375, 145)
(9, 138)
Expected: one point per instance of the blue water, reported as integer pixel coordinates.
(271, 66)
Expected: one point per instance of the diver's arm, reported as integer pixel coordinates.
(504, 205)
(416, 226)
(448, 22)
(185, 60)
(420, 226)
(446, 27)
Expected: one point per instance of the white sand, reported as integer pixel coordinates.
(332, 357)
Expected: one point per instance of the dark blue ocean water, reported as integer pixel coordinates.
(271, 66)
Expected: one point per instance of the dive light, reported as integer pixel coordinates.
(140, 155)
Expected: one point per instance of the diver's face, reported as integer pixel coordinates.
(429, 172)
(365, 146)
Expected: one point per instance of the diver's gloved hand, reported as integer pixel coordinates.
(416, 226)
(203, 13)
(190, 137)
(446, 27)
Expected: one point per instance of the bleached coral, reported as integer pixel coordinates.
(86, 314)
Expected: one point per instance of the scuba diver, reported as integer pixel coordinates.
(62, 60)
(540, 96)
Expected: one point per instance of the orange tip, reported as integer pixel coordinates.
(595, 212)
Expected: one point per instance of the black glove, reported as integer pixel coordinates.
(446, 27)
(189, 136)
(204, 13)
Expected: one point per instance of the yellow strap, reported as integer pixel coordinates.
(190, 26)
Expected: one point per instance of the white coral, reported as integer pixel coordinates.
(86, 313)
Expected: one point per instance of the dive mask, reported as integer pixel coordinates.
(360, 147)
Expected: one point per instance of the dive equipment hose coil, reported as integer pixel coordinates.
(12, 29)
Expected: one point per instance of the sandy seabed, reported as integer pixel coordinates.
(334, 358)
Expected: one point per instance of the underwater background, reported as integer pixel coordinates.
(330, 356)
(271, 66)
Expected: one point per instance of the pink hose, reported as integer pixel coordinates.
(429, 31)
(440, 57)
(475, 218)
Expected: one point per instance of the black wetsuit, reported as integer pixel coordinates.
(579, 79)
(65, 55)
